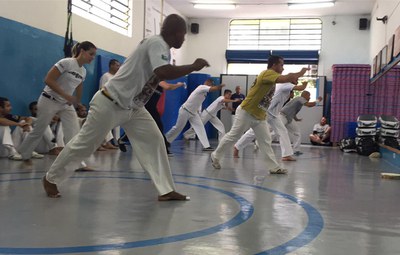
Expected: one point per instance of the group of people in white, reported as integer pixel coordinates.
(127, 99)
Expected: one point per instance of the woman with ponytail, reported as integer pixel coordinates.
(63, 91)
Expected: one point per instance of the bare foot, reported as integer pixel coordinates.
(288, 158)
(50, 188)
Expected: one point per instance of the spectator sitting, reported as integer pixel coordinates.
(7, 120)
(321, 133)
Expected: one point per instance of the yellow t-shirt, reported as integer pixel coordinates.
(260, 94)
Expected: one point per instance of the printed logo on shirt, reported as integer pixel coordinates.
(164, 57)
(266, 101)
(147, 91)
(76, 75)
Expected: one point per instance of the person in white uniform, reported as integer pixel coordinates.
(113, 66)
(63, 80)
(210, 114)
(190, 111)
(47, 144)
(121, 102)
(281, 95)
(289, 113)
(22, 125)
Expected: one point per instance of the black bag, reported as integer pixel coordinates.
(391, 142)
(348, 145)
(366, 146)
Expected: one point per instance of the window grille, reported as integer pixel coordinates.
(275, 34)
(113, 14)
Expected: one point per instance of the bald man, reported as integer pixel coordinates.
(121, 103)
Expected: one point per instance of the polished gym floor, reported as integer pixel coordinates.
(330, 203)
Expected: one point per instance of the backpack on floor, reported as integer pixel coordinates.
(391, 142)
(348, 145)
(366, 146)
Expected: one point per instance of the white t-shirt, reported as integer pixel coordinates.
(71, 76)
(196, 98)
(281, 95)
(135, 81)
(320, 129)
(104, 79)
(215, 106)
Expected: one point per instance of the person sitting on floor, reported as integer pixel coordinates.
(321, 133)
(7, 120)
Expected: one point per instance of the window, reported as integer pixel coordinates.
(113, 14)
(251, 42)
(275, 34)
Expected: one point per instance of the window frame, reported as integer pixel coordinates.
(112, 14)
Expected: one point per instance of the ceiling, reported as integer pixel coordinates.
(270, 9)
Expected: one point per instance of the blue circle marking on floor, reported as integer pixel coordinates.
(246, 211)
(313, 228)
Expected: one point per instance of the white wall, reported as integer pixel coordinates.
(380, 33)
(51, 16)
(210, 43)
(342, 43)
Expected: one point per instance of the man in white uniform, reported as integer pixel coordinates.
(122, 102)
(113, 67)
(210, 114)
(190, 111)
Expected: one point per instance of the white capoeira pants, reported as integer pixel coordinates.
(45, 144)
(243, 122)
(7, 145)
(214, 120)
(195, 120)
(148, 143)
(294, 131)
(47, 108)
(280, 132)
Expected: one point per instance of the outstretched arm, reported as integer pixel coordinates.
(291, 77)
(169, 86)
(301, 87)
(215, 88)
(170, 72)
(312, 104)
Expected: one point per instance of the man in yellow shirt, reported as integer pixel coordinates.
(252, 113)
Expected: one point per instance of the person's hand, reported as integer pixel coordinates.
(25, 126)
(237, 100)
(200, 64)
(304, 82)
(305, 69)
(319, 99)
(222, 85)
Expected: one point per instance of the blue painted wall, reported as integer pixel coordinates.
(28, 53)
